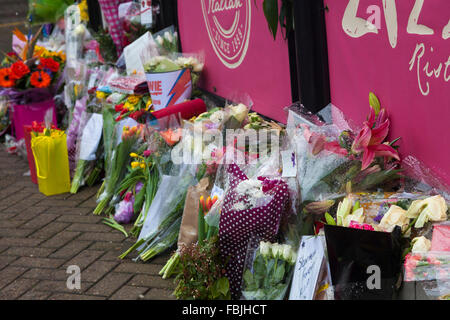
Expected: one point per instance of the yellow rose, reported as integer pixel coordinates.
(100, 95)
(133, 99)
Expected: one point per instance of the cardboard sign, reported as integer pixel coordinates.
(307, 268)
(241, 55)
(168, 88)
(400, 50)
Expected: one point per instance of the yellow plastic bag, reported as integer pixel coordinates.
(52, 162)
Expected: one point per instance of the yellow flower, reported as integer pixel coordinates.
(100, 95)
(142, 165)
(134, 164)
(127, 106)
(134, 155)
(133, 99)
(131, 108)
(84, 14)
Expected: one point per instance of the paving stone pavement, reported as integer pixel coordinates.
(41, 236)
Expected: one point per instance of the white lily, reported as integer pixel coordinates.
(357, 216)
(343, 210)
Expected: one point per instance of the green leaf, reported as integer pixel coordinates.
(278, 275)
(270, 8)
(329, 219)
(223, 285)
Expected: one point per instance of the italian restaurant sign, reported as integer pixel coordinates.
(400, 50)
(241, 56)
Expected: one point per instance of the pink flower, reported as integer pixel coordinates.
(370, 139)
(147, 153)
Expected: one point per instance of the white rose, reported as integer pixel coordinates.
(430, 209)
(276, 250)
(217, 116)
(168, 36)
(80, 30)
(159, 40)
(293, 259)
(264, 248)
(395, 216)
(421, 244)
(287, 252)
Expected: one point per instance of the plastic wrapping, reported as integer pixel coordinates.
(268, 271)
(431, 265)
(167, 40)
(4, 116)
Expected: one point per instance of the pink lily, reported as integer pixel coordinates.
(335, 147)
(369, 141)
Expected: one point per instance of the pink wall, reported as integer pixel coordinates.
(241, 56)
(367, 63)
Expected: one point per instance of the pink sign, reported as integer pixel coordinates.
(241, 56)
(398, 49)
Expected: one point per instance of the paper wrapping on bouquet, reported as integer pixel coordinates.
(30, 157)
(189, 223)
(52, 163)
(364, 265)
(187, 109)
(27, 113)
(168, 88)
(238, 227)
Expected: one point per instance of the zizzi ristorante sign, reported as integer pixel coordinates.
(400, 50)
(241, 57)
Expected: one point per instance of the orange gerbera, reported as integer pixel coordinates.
(18, 70)
(6, 80)
(40, 79)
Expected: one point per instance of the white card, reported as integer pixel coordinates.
(90, 139)
(146, 12)
(289, 163)
(132, 53)
(309, 260)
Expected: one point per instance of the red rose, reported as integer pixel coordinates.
(18, 70)
(49, 63)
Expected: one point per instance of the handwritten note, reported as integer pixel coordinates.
(289, 163)
(309, 261)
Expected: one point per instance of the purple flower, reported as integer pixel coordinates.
(138, 187)
(124, 209)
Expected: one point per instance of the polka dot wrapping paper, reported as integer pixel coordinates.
(238, 227)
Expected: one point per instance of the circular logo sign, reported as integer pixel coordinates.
(228, 24)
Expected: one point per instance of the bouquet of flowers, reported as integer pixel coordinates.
(270, 272)
(251, 208)
(41, 71)
(167, 41)
(119, 158)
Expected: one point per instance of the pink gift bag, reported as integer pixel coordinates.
(22, 115)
